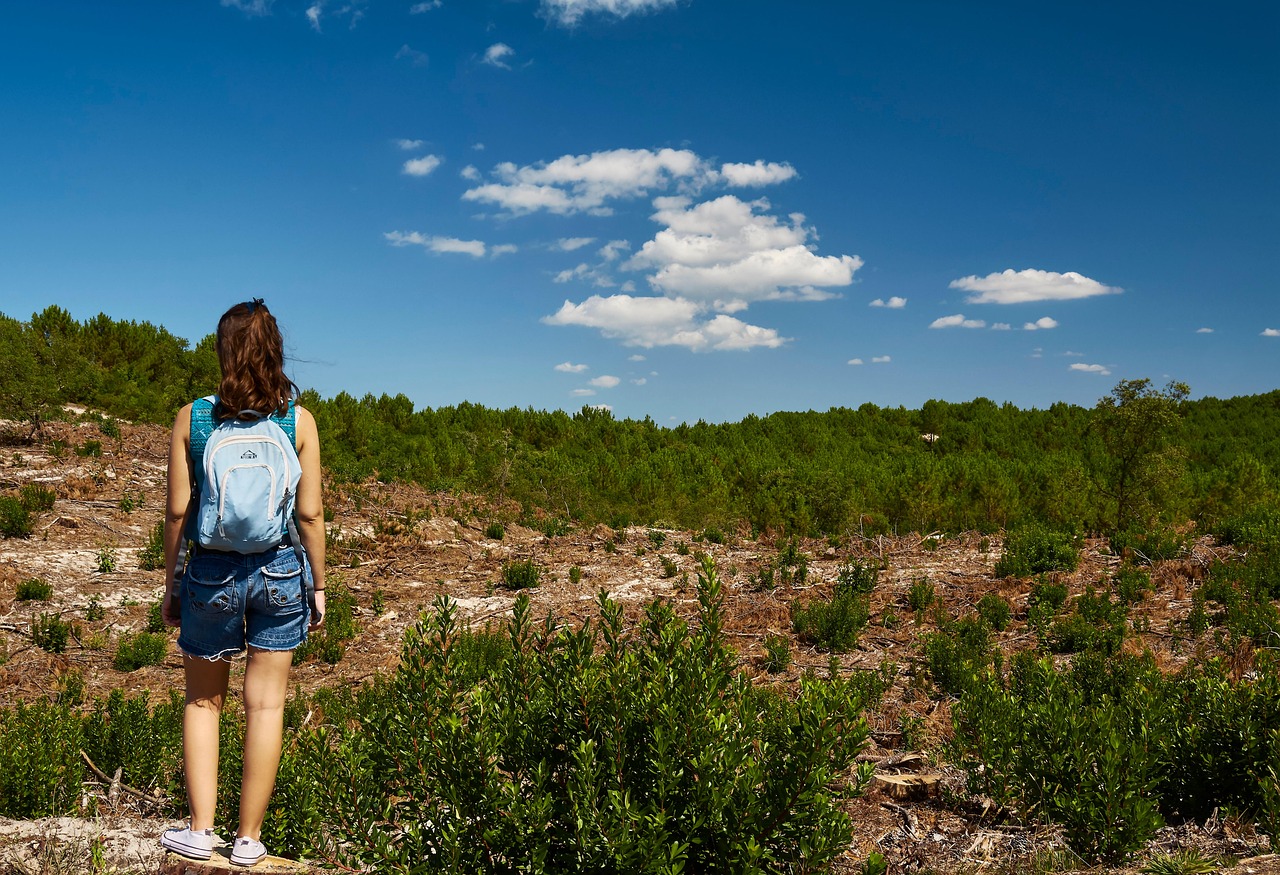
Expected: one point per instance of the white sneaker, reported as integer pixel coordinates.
(247, 851)
(194, 845)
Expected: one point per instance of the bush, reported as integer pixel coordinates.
(494, 531)
(1098, 624)
(575, 575)
(15, 518)
(151, 556)
(582, 752)
(34, 589)
(1132, 584)
(36, 498)
(957, 657)
(669, 567)
(994, 611)
(136, 651)
(777, 653)
(90, 449)
(857, 576)
(145, 743)
(155, 617)
(41, 772)
(521, 574)
(1148, 546)
(106, 560)
(920, 596)
(50, 632)
(792, 565)
(833, 625)
(1036, 550)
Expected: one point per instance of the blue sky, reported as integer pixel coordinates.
(686, 209)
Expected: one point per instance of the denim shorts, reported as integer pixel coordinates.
(229, 600)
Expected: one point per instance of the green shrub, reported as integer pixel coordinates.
(1098, 624)
(958, 656)
(713, 535)
(657, 538)
(554, 527)
(831, 625)
(109, 427)
(329, 642)
(145, 743)
(151, 556)
(94, 612)
(682, 548)
(792, 564)
(763, 581)
(1145, 547)
(521, 574)
(15, 518)
(136, 651)
(106, 560)
(33, 589)
(90, 448)
(920, 596)
(777, 653)
(155, 617)
(669, 567)
(50, 632)
(857, 576)
(41, 772)
(37, 498)
(994, 611)
(583, 751)
(494, 531)
(1036, 550)
(575, 575)
(1132, 584)
(378, 602)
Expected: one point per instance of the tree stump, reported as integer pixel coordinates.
(220, 864)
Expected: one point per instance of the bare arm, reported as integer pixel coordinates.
(310, 504)
(181, 482)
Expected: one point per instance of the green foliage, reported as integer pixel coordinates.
(36, 498)
(713, 535)
(682, 548)
(1148, 546)
(920, 596)
(494, 531)
(122, 732)
(792, 564)
(33, 589)
(777, 653)
(959, 656)
(129, 502)
(40, 767)
(50, 632)
(329, 642)
(92, 448)
(136, 651)
(831, 625)
(857, 576)
(669, 567)
(151, 556)
(155, 617)
(994, 611)
(575, 575)
(1034, 549)
(1132, 584)
(582, 750)
(106, 560)
(657, 538)
(1187, 861)
(15, 518)
(521, 574)
(378, 602)
(94, 612)
(1097, 624)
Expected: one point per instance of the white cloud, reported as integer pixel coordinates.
(415, 57)
(1026, 286)
(854, 361)
(409, 145)
(880, 359)
(894, 303)
(353, 9)
(1037, 353)
(957, 321)
(313, 15)
(661, 321)
(1204, 331)
(604, 381)
(427, 6)
(422, 166)
(470, 173)
(1001, 326)
(627, 287)
(583, 393)
(479, 147)
(1101, 370)
(568, 244)
(584, 271)
(726, 255)
(250, 7)
(583, 183)
(475, 248)
(569, 12)
(1044, 323)
(635, 358)
(1072, 354)
(496, 55)
(639, 381)
(614, 248)
(1270, 332)
(503, 249)
(756, 175)
(570, 368)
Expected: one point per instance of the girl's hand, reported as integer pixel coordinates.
(317, 616)
(171, 607)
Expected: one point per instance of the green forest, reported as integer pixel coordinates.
(1144, 457)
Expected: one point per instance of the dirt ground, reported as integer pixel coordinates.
(400, 546)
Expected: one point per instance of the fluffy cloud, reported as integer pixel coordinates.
(957, 321)
(854, 362)
(1270, 332)
(894, 303)
(570, 368)
(1101, 370)
(503, 249)
(250, 7)
(475, 248)
(726, 255)
(604, 381)
(568, 244)
(1044, 323)
(613, 249)
(661, 321)
(1204, 331)
(639, 381)
(496, 55)
(635, 358)
(409, 145)
(880, 359)
(427, 6)
(352, 9)
(415, 57)
(583, 393)
(422, 166)
(756, 175)
(1027, 286)
(584, 271)
(470, 173)
(1001, 326)
(570, 12)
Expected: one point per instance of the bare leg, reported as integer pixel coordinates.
(266, 682)
(206, 691)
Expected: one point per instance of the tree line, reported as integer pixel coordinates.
(1142, 457)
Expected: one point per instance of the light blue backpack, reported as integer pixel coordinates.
(251, 474)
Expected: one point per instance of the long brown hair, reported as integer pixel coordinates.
(251, 355)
